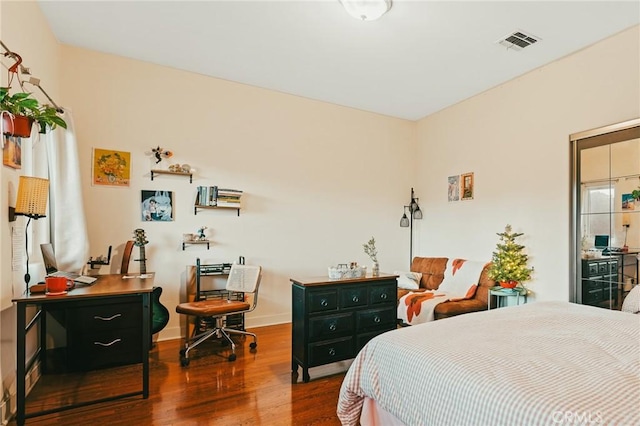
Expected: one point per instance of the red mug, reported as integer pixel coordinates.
(56, 285)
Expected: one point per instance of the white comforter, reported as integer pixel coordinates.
(544, 363)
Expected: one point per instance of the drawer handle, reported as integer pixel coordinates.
(355, 299)
(332, 352)
(376, 319)
(107, 344)
(332, 326)
(383, 296)
(324, 302)
(107, 319)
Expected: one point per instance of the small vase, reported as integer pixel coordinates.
(508, 284)
(375, 269)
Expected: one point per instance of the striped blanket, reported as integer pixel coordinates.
(544, 363)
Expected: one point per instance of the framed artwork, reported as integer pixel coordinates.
(466, 191)
(627, 202)
(111, 168)
(453, 192)
(12, 152)
(156, 206)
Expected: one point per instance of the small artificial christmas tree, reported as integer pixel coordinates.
(509, 263)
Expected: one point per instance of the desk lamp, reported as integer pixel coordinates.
(31, 202)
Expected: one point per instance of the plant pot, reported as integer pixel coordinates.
(19, 126)
(508, 284)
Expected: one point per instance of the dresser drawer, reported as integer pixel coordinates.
(376, 318)
(592, 297)
(330, 326)
(593, 283)
(321, 301)
(592, 269)
(603, 267)
(105, 317)
(352, 297)
(105, 349)
(332, 351)
(363, 338)
(383, 293)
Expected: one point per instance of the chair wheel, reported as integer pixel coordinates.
(232, 357)
(184, 361)
(253, 345)
(183, 352)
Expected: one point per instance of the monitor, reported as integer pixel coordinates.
(602, 242)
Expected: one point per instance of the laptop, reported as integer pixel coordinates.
(51, 266)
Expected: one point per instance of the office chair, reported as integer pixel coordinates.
(242, 279)
(126, 257)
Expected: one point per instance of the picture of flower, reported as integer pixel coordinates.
(111, 167)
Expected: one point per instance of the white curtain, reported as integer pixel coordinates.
(67, 219)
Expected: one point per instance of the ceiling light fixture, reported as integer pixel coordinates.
(366, 10)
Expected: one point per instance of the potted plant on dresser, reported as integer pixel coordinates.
(20, 110)
(509, 262)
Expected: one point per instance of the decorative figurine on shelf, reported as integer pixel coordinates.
(201, 236)
(160, 153)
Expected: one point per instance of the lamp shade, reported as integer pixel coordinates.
(366, 10)
(626, 219)
(32, 196)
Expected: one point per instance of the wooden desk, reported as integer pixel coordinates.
(108, 290)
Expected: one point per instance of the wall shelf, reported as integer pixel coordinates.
(198, 206)
(195, 242)
(167, 172)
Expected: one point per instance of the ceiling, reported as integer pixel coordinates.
(419, 58)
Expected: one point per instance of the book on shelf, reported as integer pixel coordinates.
(213, 196)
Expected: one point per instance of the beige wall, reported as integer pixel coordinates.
(515, 138)
(319, 179)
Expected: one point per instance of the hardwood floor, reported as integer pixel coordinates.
(256, 389)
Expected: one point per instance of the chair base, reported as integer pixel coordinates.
(219, 332)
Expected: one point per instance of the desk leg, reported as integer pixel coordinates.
(146, 339)
(21, 355)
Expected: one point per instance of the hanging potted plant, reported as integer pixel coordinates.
(20, 110)
(509, 262)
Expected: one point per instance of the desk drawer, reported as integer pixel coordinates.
(112, 316)
(105, 349)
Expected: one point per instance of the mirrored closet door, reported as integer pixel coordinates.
(606, 214)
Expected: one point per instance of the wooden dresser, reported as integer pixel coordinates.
(334, 319)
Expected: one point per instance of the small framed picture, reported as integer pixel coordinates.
(453, 192)
(156, 206)
(12, 152)
(111, 168)
(466, 191)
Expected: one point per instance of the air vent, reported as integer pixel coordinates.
(518, 40)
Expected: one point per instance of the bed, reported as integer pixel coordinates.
(535, 364)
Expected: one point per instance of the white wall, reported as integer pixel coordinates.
(515, 138)
(319, 179)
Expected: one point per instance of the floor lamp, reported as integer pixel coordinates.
(407, 222)
(31, 202)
